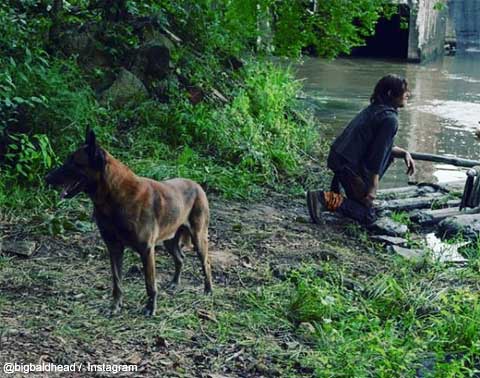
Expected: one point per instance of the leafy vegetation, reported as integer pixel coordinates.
(50, 85)
(401, 217)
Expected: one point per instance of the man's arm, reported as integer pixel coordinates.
(400, 153)
(372, 189)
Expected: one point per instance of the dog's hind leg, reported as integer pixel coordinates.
(200, 243)
(173, 247)
(148, 260)
(115, 250)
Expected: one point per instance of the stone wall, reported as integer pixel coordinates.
(427, 30)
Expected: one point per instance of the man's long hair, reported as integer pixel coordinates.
(388, 88)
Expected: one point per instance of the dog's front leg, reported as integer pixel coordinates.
(148, 259)
(116, 261)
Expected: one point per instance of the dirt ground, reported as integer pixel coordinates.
(54, 305)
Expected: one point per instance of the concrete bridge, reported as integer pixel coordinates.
(416, 33)
(463, 24)
(422, 28)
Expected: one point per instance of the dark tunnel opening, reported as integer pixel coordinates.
(390, 39)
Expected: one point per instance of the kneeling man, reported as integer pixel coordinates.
(362, 153)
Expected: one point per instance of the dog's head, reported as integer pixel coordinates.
(81, 170)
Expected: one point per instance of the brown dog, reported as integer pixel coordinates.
(137, 212)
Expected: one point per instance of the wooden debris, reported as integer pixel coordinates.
(389, 240)
(207, 315)
(23, 248)
(172, 36)
(444, 252)
(216, 94)
(407, 253)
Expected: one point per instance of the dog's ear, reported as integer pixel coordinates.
(96, 156)
(90, 138)
(100, 160)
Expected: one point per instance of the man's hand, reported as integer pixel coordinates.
(398, 152)
(369, 198)
(410, 163)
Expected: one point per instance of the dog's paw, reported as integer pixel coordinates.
(149, 311)
(172, 286)
(115, 309)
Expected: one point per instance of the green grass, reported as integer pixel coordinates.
(383, 332)
(309, 324)
(401, 217)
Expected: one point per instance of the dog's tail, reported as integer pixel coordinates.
(184, 235)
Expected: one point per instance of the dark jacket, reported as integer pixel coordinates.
(365, 145)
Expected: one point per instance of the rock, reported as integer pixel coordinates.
(306, 328)
(126, 87)
(387, 226)
(407, 253)
(281, 271)
(158, 61)
(266, 370)
(134, 359)
(388, 240)
(152, 36)
(82, 42)
(422, 217)
(152, 61)
(468, 225)
(352, 285)
(75, 42)
(18, 247)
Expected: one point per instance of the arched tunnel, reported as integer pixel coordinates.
(390, 39)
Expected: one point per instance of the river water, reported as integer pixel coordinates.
(441, 117)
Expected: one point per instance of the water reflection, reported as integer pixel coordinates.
(441, 117)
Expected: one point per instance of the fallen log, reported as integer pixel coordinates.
(409, 191)
(409, 204)
(426, 218)
(459, 162)
(432, 217)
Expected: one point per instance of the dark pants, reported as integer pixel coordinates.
(355, 206)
